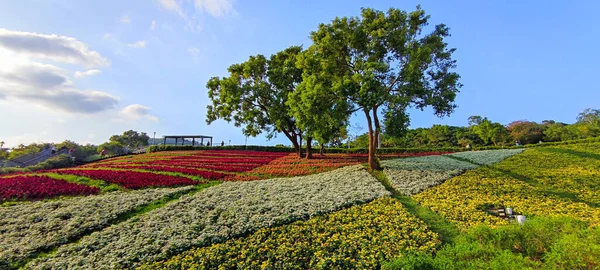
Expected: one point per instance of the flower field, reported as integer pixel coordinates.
(360, 237)
(215, 215)
(32, 227)
(39, 187)
(132, 179)
(487, 157)
(265, 210)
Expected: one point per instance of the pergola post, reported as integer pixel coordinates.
(175, 140)
(193, 139)
(182, 140)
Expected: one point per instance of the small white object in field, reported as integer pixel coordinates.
(520, 219)
(509, 211)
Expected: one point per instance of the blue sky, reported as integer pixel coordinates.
(143, 65)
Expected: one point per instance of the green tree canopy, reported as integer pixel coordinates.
(131, 138)
(255, 95)
(590, 117)
(318, 111)
(526, 132)
(383, 62)
(490, 132)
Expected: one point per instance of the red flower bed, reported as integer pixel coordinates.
(190, 171)
(131, 179)
(39, 187)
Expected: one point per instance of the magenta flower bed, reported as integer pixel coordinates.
(40, 187)
(133, 180)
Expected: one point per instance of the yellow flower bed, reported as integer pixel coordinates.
(463, 199)
(358, 237)
(558, 170)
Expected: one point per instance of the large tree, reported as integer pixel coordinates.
(488, 131)
(255, 95)
(589, 116)
(384, 63)
(319, 112)
(131, 138)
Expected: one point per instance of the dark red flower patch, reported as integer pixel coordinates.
(189, 171)
(131, 179)
(39, 187)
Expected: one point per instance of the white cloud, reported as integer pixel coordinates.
(125, 19)
(107, 36)
(172, 6)
(194, 51)
(153, 25)
(217, 8)
(136, 112)
(53, 47)
(191, 10)
(139, 44)
(47, 85)
(91, 72)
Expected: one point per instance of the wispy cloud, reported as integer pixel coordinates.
(125, 19)
(153, 25)
(138, 44)
(191, 10)
(53, 47)
(136, 112)
(195, 53)
(216, 8)
(91, 72)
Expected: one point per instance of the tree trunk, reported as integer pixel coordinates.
(377, 127)
(308, 147)
(300, 151)
(322, 149)
(294, 139)
(373, 164)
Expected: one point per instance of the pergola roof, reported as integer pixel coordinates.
(186, 136)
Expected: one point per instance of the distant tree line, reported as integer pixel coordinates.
(117, 144)
(482, 131)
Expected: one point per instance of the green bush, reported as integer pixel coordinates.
(549, 243)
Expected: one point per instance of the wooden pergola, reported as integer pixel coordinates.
(183, 137)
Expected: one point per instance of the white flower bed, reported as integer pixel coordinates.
(428, 163)
(28, 228)
(412, 182)
(215, 215)
(487, 157)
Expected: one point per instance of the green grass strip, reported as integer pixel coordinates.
(140, 210)
(446, 229)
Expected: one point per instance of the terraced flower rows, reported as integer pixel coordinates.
(538, 182)
(315, 215)
(215, 215)
(33, 227)
(410, 176)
